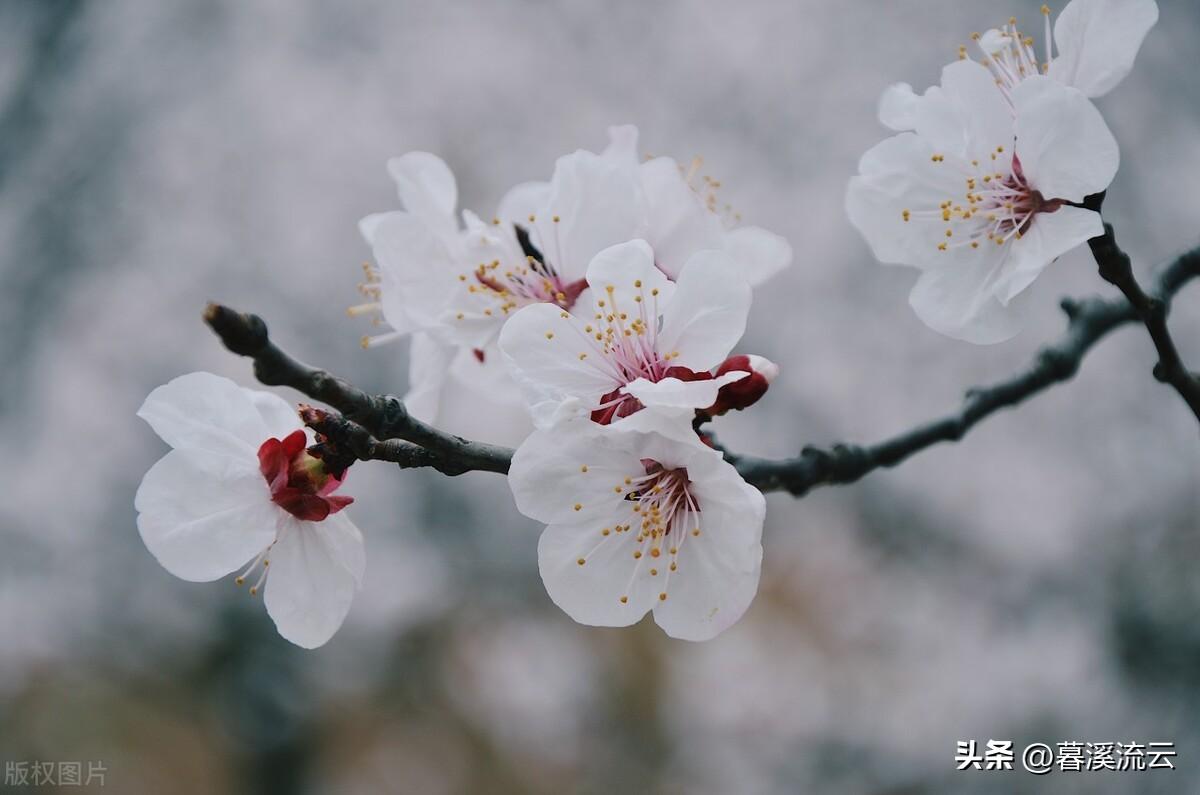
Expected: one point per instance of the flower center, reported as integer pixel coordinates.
(298, 481)
(995, 208)
(665, 514)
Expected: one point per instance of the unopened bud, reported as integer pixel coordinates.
(746, 391)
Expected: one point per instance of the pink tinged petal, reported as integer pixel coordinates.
(202, 411)
(895, 175)
(204, 515)
(569, 474)
(622, 145)
(898, 107)
(960, 302)
(719, 569)
(672, 393)
(427, 188)
(707, 314)
(592, 594)
(428, 362)
(1049, 237)
(628, 268)
(315, 569)
(419, 274)
(1098, 41)
(759, 254)
(679, 223)
(1066, 149)
(598, 204)
(967, 115)
(543, 350)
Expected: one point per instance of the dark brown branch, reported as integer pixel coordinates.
(1116, 269)
(377, 427)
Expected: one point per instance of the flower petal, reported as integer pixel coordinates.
(592, 594)
(959, 301)
(419, 273)
(1066, 149)
(202, 411)
(718, 570)
(1098, 41)
(203, 515)
(895, 175)
(1049, 237)
(619, 274)
(679, 223)
(575, 464)
(898, 107)
(522, 201)
(597, 203)
(707, 314)
(427, 188)
(544, 351)
(672, 393)
(622, 145)
(315, 569)
(758, 254)
(428, 362)
(966, 115)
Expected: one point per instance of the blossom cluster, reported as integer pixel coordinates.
(591, 320)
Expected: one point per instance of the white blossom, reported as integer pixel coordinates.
(638, 522)
(237, 488)
(983, 194)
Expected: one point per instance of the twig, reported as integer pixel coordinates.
(377, 427)
(1116, 269)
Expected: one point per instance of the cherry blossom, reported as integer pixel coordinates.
(1097, 43)
(649, 343)
(239, 490)
(639, 522)
(983, 195)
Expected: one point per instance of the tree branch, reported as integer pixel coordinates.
(1116, 269)
(379, 428)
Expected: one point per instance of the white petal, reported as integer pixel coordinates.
(718, 571)
(202, 411)
(672, 393)
(1098, 41)
(706, 316)
(672, 423)
(759, 254)
(428, 362)
(1066, 149)
(591, 594)
(898, 107)
(966, 115)
(543, 351)
(598, 204)
(203, 515)
(522, 201)
(575, 464)
(1049, 237)
(898, 174)
(613, 276)
(622, 145)
(279, 417)
(315, 569)
(418, 271)
(427, 188)
(959, 301)
(679, 223)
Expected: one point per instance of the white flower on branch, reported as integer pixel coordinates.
(638, 522)
(983, 195)
(239, 486)
(649, 343)
(1097, 41)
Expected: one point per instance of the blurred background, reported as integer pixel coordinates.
(1036, 582)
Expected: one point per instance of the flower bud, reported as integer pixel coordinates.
(746, 391)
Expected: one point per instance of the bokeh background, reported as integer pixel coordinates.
(1035, 582)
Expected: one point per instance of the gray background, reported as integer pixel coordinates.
(1035, 582)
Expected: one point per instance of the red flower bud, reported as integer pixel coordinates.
(299, 482)
(746, 391)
